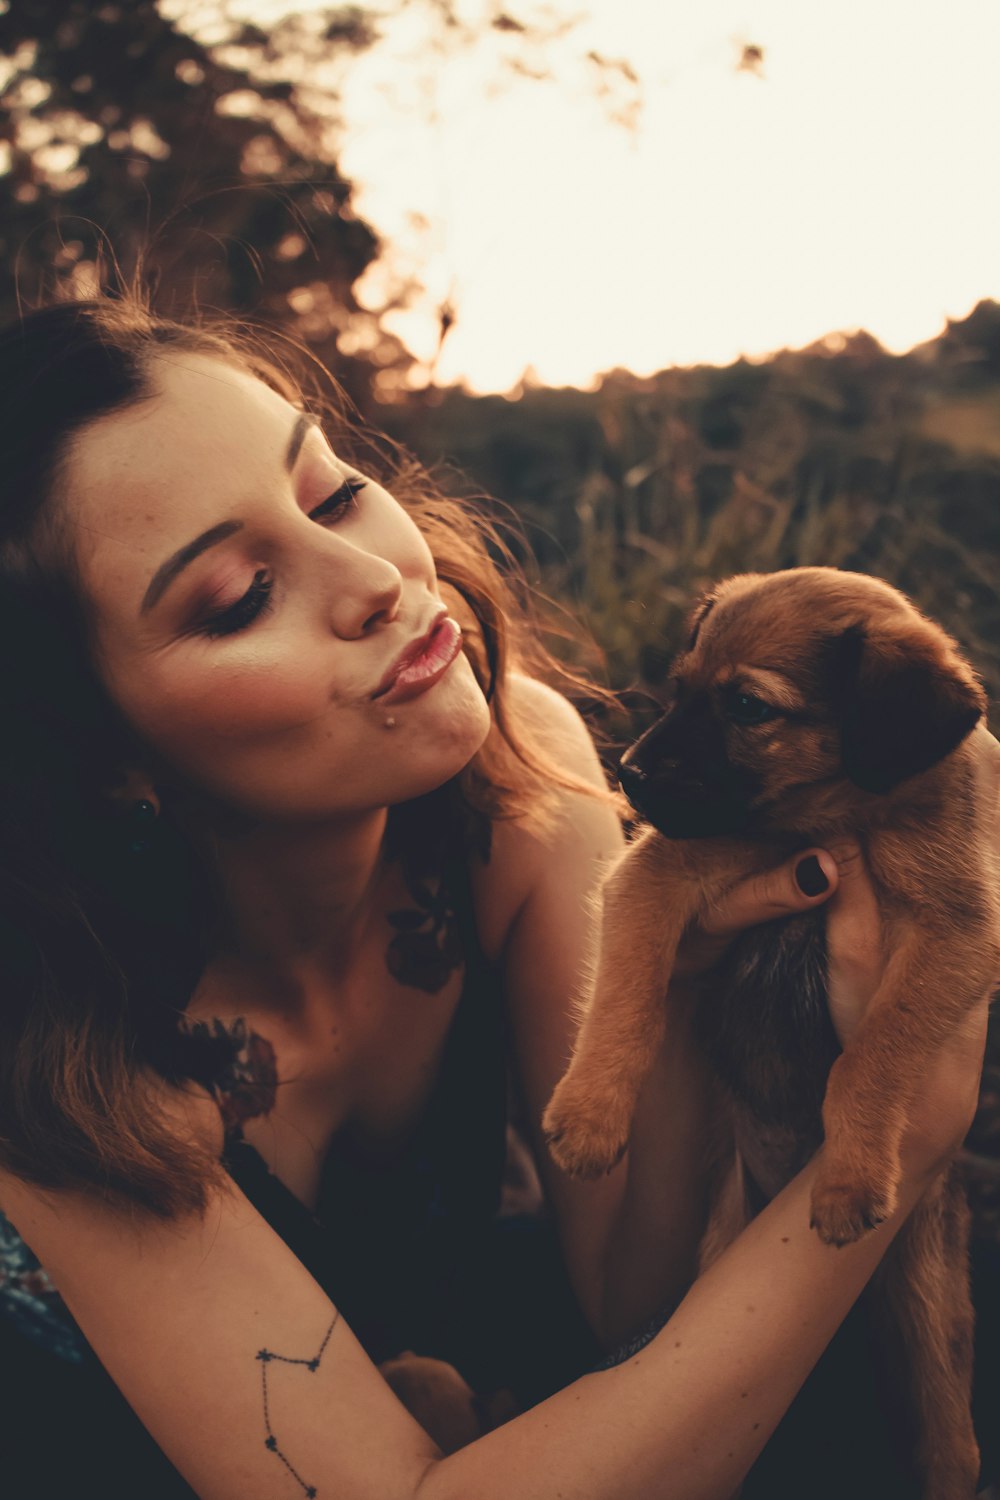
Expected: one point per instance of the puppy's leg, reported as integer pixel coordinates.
(922, 1302)
(927, 987)
(646, 906)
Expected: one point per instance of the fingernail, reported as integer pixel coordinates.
(809, 876)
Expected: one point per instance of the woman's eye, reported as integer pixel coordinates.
(747, 708)
(258, 596)
(241, 614)
(340, 501)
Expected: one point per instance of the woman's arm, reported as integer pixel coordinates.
(685, 1418)
(181, 1314)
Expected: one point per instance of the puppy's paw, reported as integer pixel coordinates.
(582, 1134)
(843, 1212)
(584, 1150)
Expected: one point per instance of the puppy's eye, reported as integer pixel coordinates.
(747, 708)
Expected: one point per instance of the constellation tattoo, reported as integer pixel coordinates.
(267, 1357)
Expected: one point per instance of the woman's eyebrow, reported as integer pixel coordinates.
(303, 425)
(168, 571)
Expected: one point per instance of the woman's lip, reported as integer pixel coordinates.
(422, 663)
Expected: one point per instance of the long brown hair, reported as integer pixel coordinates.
(104, 925)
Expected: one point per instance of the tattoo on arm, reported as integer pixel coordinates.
(267, 1357)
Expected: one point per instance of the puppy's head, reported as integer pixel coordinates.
(793, 680)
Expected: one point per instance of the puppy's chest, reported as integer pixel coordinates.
(764, 1023)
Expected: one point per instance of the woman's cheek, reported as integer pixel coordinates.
(398, 537)
(263, 693)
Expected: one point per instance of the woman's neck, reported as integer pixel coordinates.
(298, 899)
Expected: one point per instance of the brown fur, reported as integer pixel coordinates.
(442, 1402)
(873, 706)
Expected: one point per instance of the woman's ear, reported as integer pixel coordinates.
(907, 699)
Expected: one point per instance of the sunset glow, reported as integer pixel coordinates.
(847, 182)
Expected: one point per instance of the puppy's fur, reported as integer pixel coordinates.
(809, 705)
(442, 1402)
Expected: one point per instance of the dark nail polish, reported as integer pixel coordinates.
(809, 876)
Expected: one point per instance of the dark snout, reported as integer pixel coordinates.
(680, 778)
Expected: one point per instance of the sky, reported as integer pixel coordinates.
(848, 182)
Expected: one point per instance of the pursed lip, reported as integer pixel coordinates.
(410, 653)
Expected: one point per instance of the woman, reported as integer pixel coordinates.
(253, 776)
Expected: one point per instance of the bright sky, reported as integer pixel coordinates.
(854, 184)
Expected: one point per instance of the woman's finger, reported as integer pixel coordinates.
(807, 880)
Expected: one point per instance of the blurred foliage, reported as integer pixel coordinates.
(639, 495)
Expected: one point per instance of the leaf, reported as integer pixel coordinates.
(415, 959)
(408, 920)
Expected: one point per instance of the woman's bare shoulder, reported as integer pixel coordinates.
(579, 827)
(559, 725)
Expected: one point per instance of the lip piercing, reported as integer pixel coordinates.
(390, 722)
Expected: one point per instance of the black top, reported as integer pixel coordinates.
(412, 1252)
(410, 1249)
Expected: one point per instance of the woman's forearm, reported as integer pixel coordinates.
(181, 1315)
(686, 1417)
(652, 1246)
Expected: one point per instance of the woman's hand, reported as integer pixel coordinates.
(945, 1103)
(808, 879)
(836, 877)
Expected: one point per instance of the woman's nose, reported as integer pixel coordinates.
(365, 590)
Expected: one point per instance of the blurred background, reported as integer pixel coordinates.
(692, 288)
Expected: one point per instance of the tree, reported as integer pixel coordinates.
(205, 149)
(123, 131)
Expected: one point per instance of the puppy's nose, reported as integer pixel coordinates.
(630, 777)
(651, 768)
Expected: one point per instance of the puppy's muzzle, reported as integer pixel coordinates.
(680, 809)
(679, 777)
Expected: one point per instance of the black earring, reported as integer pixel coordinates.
(144, 815)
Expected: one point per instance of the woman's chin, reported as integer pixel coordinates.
(399, 752)
(444, 728)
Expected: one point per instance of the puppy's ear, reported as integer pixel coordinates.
(906, 700)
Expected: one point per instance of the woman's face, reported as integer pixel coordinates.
(251, 603)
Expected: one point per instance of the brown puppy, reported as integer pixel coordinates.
(809, 705)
